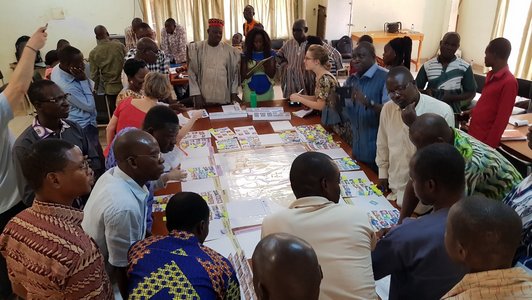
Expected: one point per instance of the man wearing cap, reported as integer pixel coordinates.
(213, 69)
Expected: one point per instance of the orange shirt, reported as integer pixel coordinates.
(249, 26)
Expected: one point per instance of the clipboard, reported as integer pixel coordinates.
(259, 64)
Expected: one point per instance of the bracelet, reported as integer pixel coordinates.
(32, 49)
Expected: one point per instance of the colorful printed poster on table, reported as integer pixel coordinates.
(358, 187)
(346, 164)
(227, 145)
(380, 219)
(290, 137)
(252, 142)
(223, 133)
(202, 172)
(200, 134)
(322, 144)
(313, 133)
(245, 131)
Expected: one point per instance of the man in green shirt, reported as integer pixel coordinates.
(106, 62)
(487, 172)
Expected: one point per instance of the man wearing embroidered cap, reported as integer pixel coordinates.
(213, 68)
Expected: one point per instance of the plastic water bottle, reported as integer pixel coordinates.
(253, 99)
(412, 27)
(365, 30)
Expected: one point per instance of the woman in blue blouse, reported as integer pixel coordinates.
(257, 47)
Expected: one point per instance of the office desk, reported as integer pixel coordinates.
(384, 37)
(262, 127)
(519, 148)
(175, 80)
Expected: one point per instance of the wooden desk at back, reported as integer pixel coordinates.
(384, 37)
(262, 127)
(519, 148)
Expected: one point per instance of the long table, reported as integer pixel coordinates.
(519, 148)
(381, 36)
(262, 127)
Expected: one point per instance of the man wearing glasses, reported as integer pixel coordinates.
(116, 212)
(394, 148)
(52, 107)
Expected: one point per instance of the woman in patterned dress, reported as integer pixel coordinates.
(317, 61)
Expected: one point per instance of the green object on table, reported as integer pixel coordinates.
(253, 99)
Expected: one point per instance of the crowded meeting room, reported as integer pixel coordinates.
(266, 149)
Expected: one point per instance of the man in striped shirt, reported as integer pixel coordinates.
(47, 252)
(294, 77)
(448, 78)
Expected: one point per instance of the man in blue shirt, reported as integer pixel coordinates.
(179, 266)
(368, 95)
(414, 252)
(71, 77)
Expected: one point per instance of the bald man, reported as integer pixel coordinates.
(130, 33)
(148, 51)
(106, 62)
(368, 87)
(490, 116)
(291, 56)
(487, 172)
(448, 78)
(394, 149)
(285, 267)
(340, 234)
(115, 214)
(483, 234)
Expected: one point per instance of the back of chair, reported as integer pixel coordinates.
(345, 47)
(480, 80)
(524, 88)
(2, 77)
(522, 166)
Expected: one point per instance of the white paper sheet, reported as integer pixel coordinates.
(247, 213)
(199, 186)
(248, 240)
(271, 139)
(193, 162)
(334, 153)
(382, 287)
(223, 245)
(280, 126)
(216, 229)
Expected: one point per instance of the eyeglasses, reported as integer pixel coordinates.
(399, 90)
(58, 99)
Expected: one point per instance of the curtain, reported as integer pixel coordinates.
(523, 68)
(277, 16)
(500, 19)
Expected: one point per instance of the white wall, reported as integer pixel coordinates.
(475, 23)
(337, 19)
(22, 17)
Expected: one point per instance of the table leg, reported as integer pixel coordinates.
(418, 54)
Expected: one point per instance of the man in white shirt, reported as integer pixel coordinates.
(10, 99)
(116, 212)
(340, 234)
(394, 148)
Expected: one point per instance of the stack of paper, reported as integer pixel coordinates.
(231, 107)
(271, 116)
(513, 135)
(228, 115)
(290, 137)
(204, 113)
(202, 172)
(251, 110)
(320, 145)
(314, 133)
